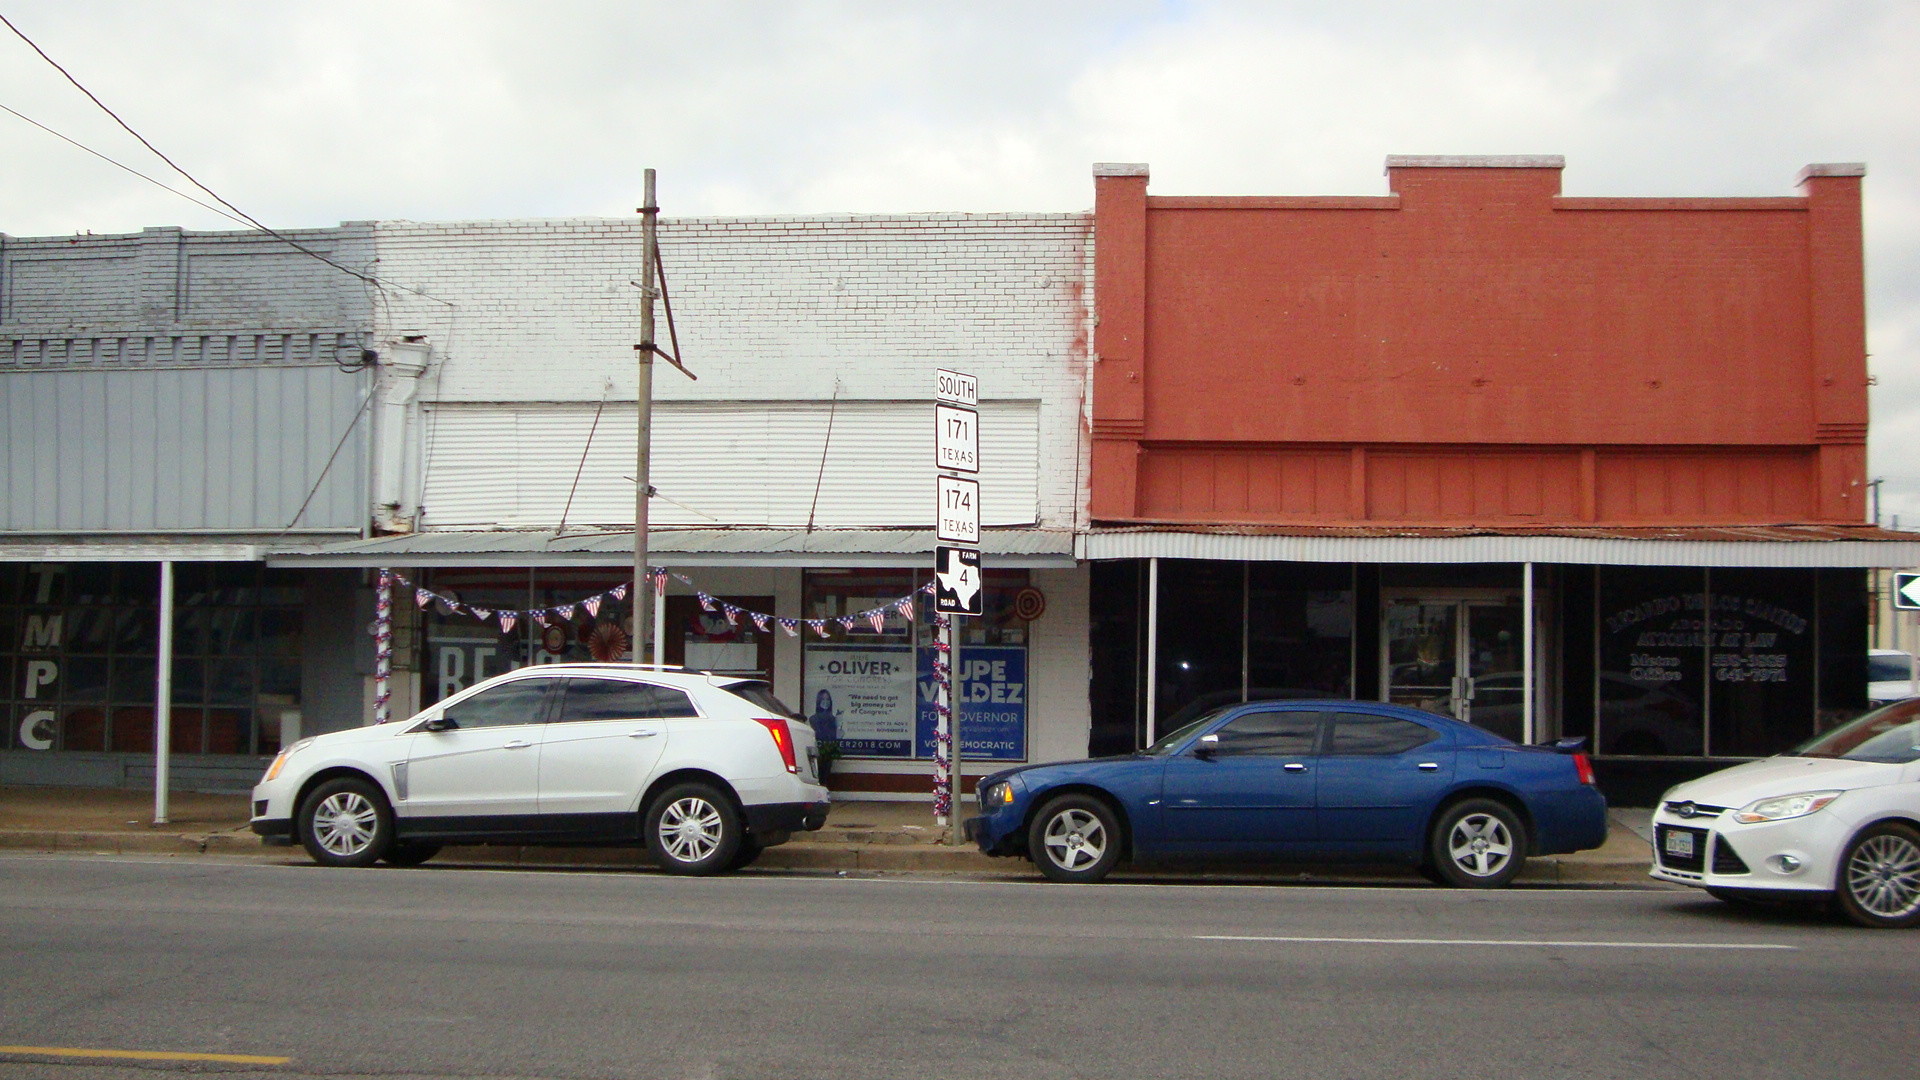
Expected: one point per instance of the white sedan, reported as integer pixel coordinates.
(1836, 818)
(705, 770)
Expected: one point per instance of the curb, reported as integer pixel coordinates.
(875, 853)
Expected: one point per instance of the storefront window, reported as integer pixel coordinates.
(461, 650)
(871, 689)
(1762, 661)
(1653, 661)
(81, 642)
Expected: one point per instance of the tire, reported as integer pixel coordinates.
(694, 829)
(1075, 839)
(748, 851)
(345, 822)
(1478, 844)
(411, 852)
(1879, 878)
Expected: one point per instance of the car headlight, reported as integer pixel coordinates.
(996, 796)
(280, 759)
(1782, 807)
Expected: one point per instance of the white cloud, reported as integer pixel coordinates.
(311, 114)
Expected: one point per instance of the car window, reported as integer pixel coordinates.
(1287, 734)
(1890, 734)
(761, 696)
(1887, 668)
(516, 702)
(1381, 736)
(619, 699)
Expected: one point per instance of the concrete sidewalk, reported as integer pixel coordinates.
(874, 837)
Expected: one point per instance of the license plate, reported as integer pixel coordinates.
(1679, 844)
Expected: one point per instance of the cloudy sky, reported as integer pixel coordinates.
(308, 114)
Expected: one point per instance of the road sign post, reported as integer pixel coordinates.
(959, 588)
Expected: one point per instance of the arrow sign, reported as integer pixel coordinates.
(957, 581)
(1906, 591)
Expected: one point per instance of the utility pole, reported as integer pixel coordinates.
(642, 478)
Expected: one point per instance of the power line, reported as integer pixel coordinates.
(125, 166)
(242, 215)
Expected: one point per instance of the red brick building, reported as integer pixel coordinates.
(1556, 465)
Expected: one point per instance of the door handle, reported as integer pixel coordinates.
(518, 744)
(1429, 766)
(641, 734)
(1294, 766)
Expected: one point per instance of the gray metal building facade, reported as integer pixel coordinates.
(176, 399)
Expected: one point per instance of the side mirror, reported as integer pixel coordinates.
(1206, 747)
(440, 723)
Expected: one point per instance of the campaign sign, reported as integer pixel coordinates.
(991, 694)
(862, 696)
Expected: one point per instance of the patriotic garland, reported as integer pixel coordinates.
(383, 649)
(875, 617)
(943, 729)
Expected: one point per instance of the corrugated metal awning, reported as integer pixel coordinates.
(874, 548)
(1707, 545)
(185, 547)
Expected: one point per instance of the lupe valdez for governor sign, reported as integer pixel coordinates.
(993, 703)
(867, 697)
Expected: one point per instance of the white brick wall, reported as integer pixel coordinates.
(768, 309)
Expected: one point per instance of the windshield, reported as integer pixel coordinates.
(1887, 668)
(1165, 743)
(1891, 734)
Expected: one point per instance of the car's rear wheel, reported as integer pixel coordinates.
(694, 829)
(411, 852)
(1879, 882)
(345, 822)
(1478, 844)
(1075, 838)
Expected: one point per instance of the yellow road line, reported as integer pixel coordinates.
(143, 1055)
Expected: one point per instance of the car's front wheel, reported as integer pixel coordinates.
(1478, 844)
(1879, 882)
(1075, 838)
(694, 829)
(345, 822)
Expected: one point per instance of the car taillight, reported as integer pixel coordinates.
(782, 738)
(1583, 765)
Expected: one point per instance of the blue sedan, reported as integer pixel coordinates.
(1314, 781)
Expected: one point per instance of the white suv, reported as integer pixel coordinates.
(705, 770)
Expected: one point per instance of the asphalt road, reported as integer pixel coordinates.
(444, 972)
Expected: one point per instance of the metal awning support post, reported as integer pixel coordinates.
(1526, 654)
(163, 698)
(1153, 643)
(660, 621)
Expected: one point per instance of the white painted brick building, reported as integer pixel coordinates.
(504, 426)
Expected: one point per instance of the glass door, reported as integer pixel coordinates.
(1421, 639)
(1458, 656)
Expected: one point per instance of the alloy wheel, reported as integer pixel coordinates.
(344, 823)
(690, 829)
(1480, 845)
(1075, 839)
(1884, 876)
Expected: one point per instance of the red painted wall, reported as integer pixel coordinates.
(1475, 348)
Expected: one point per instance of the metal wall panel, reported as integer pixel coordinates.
(719, 464)
(231, 449)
